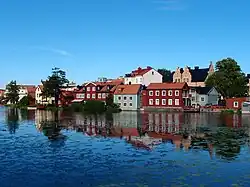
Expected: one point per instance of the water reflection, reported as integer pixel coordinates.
(220, 136)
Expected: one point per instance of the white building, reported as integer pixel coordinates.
(41, 99)
(143, 76)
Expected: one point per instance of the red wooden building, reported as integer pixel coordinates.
(235, 103)
(166, 95)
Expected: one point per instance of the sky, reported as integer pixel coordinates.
(108, 38)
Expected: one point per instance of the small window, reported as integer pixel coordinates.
(179, 80)
(140, 80)
(103, 95)
(157, 102)
(99, 95)
(124, 98)
(136, 80)
(124, 104)
(177, 102)
(88, 88)
(163, 93)
(202, 99)
(130, 104)
(131, 98)
(93, 96)
(119, 104)
(187, 80)
(88, 96)
(153, 73)
(93, 89)
(163, 101)
(176, 92)
(151, 93)
(170, 102)
(151, 102)
(170, 93)
(193, 98)
(236, 104)
(157, 93)
(119, 98)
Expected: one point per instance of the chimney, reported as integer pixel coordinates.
(196, 67)
(139, 68)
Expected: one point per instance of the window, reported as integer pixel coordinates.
(163, 101)
(151, 93)
(170, 93)
(93, 96)
(163, 93)
(236, 104)
(99, 96)
(187, 80)
(88, 89)
(202, 99)
(176, 92)
(119, 98)
(140, 80)
(88, 96)
(193, 98)
(79, 96)
(184, 80)
(157, 93)
(170, 102)
(103, 95)
(130, 104)
(179, 80)
(124, 104)
(93, 89)
(153, 73)
(131, 98)
(157, 102)
(176, 102)
(136, 80)
(119, 104)
(124, 98)
(175, 80)
(151, 102)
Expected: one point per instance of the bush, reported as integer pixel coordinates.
(227, 111)
(76, 107)
(94, 106)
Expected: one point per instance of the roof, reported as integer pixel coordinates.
(203, 90)
(166, 86)
(199, 75)
(139, 72)
(40, 86)
(132, 89)
(30, 88)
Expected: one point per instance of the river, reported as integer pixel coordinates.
(130, 149)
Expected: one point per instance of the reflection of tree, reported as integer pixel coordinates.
(24, 114)
(12, 120)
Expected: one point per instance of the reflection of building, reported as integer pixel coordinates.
(43, 115)
(126, 119)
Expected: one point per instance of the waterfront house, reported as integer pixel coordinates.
(40, 99)
(143, 76)
(235, 103)
(193, 77)
(166, 95)
(128, 96)
(202, 96)
(248, 83)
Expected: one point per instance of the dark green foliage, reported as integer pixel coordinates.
(77, 107)
(24, 101)
(111, 106)
(12, 92)
(228, 79)
(94, 107)
(166, 75)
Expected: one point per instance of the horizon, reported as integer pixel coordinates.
(97, 38)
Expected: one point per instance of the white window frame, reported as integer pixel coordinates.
(125, 104)
(151, 93)
(157, 101)
(93, 89)
(130, 98)
(131, 104)
(177, 93)
(151, 102)
(93, 96)
(202, 99)
(236, 104)
(157, 93)
(88, 89)
(170, 93)
(99, 95)
(163, 93)
(163, 102)
(103, 95)
(170, 103)
(88, 96)
(177, 102)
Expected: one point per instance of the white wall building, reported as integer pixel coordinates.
(40, 99)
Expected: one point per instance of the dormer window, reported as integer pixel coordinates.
(152, 73)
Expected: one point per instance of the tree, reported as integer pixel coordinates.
(51, 87)
(12, 92)
(228, 79)
(166, 75)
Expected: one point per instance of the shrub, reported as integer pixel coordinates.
(76, 107)
(94, 107)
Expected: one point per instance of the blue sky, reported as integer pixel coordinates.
(93, 38)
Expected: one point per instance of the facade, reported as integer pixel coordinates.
(193, 77)
(128, 96)
(202, 96)
(143, 76)
(235, 103)
(166, 95)
(41, 100)
(69, 86)
(2, 91)
(26, 90)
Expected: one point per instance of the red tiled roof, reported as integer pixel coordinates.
(154, 86)
(127, 89)
(140, 71)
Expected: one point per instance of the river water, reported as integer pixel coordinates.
(46, 149)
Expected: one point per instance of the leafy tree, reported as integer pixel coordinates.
(166, 75)
(51, 87)
(228, 79)
(94, 106)
(12, 93)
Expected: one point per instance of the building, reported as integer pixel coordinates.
(193, 77)
(143, 76)
(42, 100)
(69, 86)
(128, 96)
(202, 96)
(2, 91)
(166, 95)
(98, 91)
(236, 102)
(248, 83)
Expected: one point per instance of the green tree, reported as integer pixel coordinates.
(228, 79)
(12, 93)
(166, 75)
(51, 87)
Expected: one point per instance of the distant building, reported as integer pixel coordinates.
(128, 96)
(42, 100)
(236, 102)
(143, 76)
(2, 91)
(193, 77)
(202, 96)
